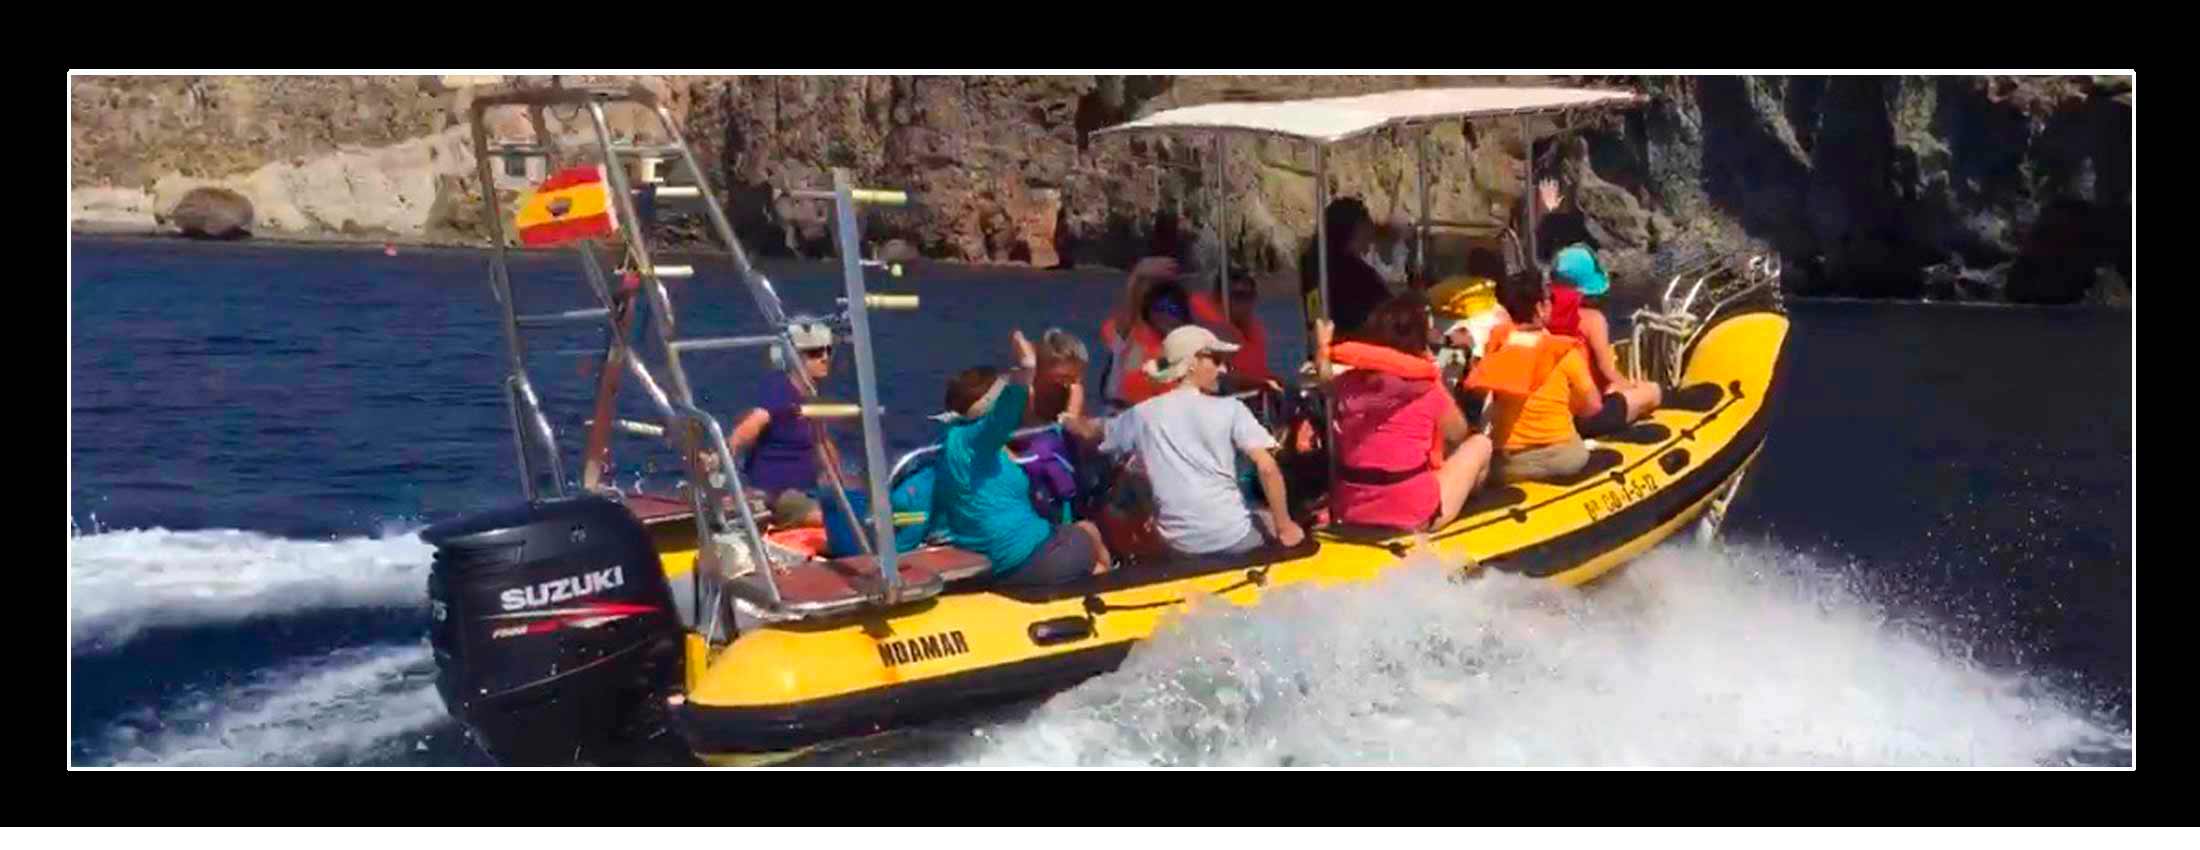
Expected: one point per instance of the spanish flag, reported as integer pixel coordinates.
(571, 205)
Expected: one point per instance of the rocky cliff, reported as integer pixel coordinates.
(1957, 187)
(1976, 188)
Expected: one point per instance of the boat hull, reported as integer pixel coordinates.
(788, 686)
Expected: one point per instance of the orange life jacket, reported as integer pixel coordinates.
(1384, 359)
(808, 539)
(1517, 370)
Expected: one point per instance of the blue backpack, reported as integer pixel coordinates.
(912, 501)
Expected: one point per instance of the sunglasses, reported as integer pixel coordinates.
(818, 353)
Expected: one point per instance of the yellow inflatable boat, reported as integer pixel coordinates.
(603, 627)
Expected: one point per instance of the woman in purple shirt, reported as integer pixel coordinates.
(775, 434)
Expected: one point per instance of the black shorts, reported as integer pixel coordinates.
(1610, 420)
(1066, 556)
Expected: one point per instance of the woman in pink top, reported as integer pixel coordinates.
(1391, 428)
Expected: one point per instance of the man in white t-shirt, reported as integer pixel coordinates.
(1189, 442)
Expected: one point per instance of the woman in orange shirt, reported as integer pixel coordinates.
(1153, 305)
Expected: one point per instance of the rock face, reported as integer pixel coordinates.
(1977, 188)
(208, 213)
(1944, 187)
(131, 131)
(111, 207)
(1969, 188)
(1009, 170)
(382, 156)
(991, 158)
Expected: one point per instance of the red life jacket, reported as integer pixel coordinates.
(1126, 382)
(1565, 317)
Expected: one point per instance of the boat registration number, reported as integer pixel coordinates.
(1628, 492)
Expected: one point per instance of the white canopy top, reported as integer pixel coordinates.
(1335, 119)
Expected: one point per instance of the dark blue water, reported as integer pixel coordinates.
(257, 429)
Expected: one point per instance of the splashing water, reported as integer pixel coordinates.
(1690, 656)
(124, 582)
(351, 705)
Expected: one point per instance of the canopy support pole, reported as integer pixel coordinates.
(1222, 220)
(1420, 228)
(1321, 258)
(1533, 197)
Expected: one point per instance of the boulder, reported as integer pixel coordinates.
(212, 213)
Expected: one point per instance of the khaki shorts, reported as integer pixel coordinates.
(1543, 463)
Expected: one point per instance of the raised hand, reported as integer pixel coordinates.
(1025, 356)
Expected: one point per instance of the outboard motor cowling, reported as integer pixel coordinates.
(555, 636)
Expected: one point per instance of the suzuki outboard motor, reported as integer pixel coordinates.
(555, 635)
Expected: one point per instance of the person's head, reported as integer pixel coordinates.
(1062, 362)
(1401, 322)
(1048, 400)
(1351, 229)
(1165, 308)
(1244, 297)
(1193, 355)
(1168, 237)
(971, 392)
(1063, 349)
(1576, 266)
(1485, 263)
(793, 509)
(1525, 298)
(814, 342)
(1395, 233)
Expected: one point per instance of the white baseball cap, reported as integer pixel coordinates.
(807, 336)
(1180, 347)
